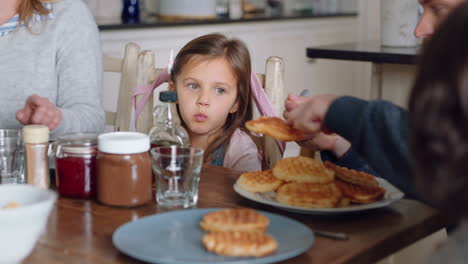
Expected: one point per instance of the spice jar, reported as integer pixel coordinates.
(36, 147)
(75, 165)
(124, 169)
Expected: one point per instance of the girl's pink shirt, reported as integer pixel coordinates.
(242, 153)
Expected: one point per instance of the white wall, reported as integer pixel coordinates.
(368, 29)
(348, 5)
(394, 81)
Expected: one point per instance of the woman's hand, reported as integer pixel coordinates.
(39, 110)
(295, 113)
(308, 113)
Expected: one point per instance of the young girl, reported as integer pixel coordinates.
(211, 75)
(439, 129)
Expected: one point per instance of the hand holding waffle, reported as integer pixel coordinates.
(307, 115)
(317, 141)
(276, 128)
(280, 130)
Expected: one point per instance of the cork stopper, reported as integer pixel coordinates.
(35, 134)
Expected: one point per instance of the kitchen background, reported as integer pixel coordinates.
(271, 31)
(267, 31)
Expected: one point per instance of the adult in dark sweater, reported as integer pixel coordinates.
(333, 148)
(377, 130)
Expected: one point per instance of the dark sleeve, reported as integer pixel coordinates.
(378, 132)
(350, 160)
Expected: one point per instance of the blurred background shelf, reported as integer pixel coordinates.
(155, 22)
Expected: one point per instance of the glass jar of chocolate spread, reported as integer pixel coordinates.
(124, 169)
(75, 165)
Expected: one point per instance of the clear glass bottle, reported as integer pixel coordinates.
(167, 131)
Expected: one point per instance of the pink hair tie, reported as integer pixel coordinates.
(147, 91)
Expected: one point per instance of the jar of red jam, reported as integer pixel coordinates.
(75, 165)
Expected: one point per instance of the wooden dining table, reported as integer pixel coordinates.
(80, 231)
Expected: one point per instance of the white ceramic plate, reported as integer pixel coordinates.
(392, 194)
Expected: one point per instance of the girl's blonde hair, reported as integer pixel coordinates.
(27, 8)
(214, 46)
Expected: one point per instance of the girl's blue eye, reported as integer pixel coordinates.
(220, 90)
(192, 86)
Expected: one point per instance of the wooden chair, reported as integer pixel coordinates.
(138, 68)
(273, 83)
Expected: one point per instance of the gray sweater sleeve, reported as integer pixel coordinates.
(378, 132)
(79, 71)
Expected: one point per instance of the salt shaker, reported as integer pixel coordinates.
(36, 146)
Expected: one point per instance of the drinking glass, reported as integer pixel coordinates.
(177, 171)
(11, 156)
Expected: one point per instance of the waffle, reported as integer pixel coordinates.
(309, 195)
(302, 169)
(240, 244)
(275, 128)
(360, 194)
(344, 202)
(234, 220)
(352, 176)
(259, 181)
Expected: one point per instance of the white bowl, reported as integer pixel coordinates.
(21, 227)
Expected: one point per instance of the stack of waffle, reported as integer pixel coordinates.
(305, 182)
(237, 233)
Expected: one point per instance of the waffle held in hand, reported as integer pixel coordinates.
(276, 128)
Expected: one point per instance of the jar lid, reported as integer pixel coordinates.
(79, 150)
(123, 142)
(35, 134)
(78, 143)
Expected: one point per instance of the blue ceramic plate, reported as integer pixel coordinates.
(175, 238)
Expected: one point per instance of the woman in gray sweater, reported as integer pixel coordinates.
(51, 66)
